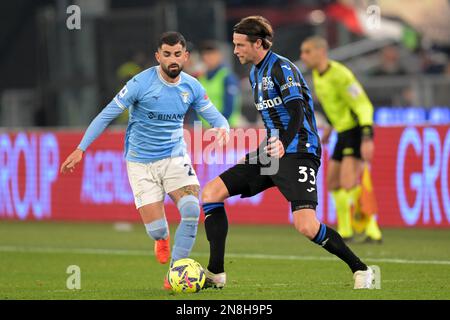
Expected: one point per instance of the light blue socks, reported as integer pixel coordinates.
(189, 208)
(158, 229)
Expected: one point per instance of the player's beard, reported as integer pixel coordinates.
(172, 72)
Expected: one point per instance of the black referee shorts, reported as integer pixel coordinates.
(348, 144)
(296, 180)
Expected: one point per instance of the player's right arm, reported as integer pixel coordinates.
(355, 97)
(123, 100)
(326, 133)
(327, 130)
(353, 93)
(205, 108)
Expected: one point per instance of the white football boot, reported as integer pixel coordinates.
(364, 279)
(216, 281)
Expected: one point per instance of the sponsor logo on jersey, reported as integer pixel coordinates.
(165, 116)
(268, 103)
(267, 83)
(290, 84)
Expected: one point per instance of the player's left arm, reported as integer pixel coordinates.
(356, 98)
(205, 108)
(287, 80)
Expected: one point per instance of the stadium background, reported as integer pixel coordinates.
(57, 79)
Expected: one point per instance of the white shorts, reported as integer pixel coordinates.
(151, 181)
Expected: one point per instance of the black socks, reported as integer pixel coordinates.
(216, 226)
(331, 241)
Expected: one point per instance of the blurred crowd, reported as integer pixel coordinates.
(424, 62)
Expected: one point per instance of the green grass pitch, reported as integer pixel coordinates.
(263, 262)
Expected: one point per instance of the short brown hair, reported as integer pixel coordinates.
(256, 27)
(171, 38)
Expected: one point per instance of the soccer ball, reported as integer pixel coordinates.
(186, 275)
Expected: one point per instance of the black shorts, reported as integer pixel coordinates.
(348, 144)
(296, 180)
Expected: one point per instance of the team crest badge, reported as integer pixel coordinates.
(185, 97)
(267, 83)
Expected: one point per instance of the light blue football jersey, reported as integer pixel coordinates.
(156, 114)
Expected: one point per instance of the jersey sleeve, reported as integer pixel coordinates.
(295, 109)
(201, 100)
(353, 93)
(99, 124)
(287, 78)
(128, 95)
(204, 107)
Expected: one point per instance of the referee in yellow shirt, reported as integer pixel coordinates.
(350, 112)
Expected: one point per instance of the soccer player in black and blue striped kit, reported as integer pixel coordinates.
(284, 101)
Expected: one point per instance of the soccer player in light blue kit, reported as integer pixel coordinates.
(157, 163)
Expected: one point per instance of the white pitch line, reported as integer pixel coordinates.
(126, 252)
(120, 252)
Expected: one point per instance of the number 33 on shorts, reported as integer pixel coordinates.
(305, 174)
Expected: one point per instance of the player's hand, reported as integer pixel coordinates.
(367, 150)
(222, 136)
(72, 160)
(274, 148)
(326, 134)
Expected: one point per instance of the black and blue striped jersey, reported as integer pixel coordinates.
(276, 83)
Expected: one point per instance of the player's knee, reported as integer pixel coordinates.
(348, 181)
(332, 182)
(157, 229)
(189, 207)
(307, 229)
(306, 225)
